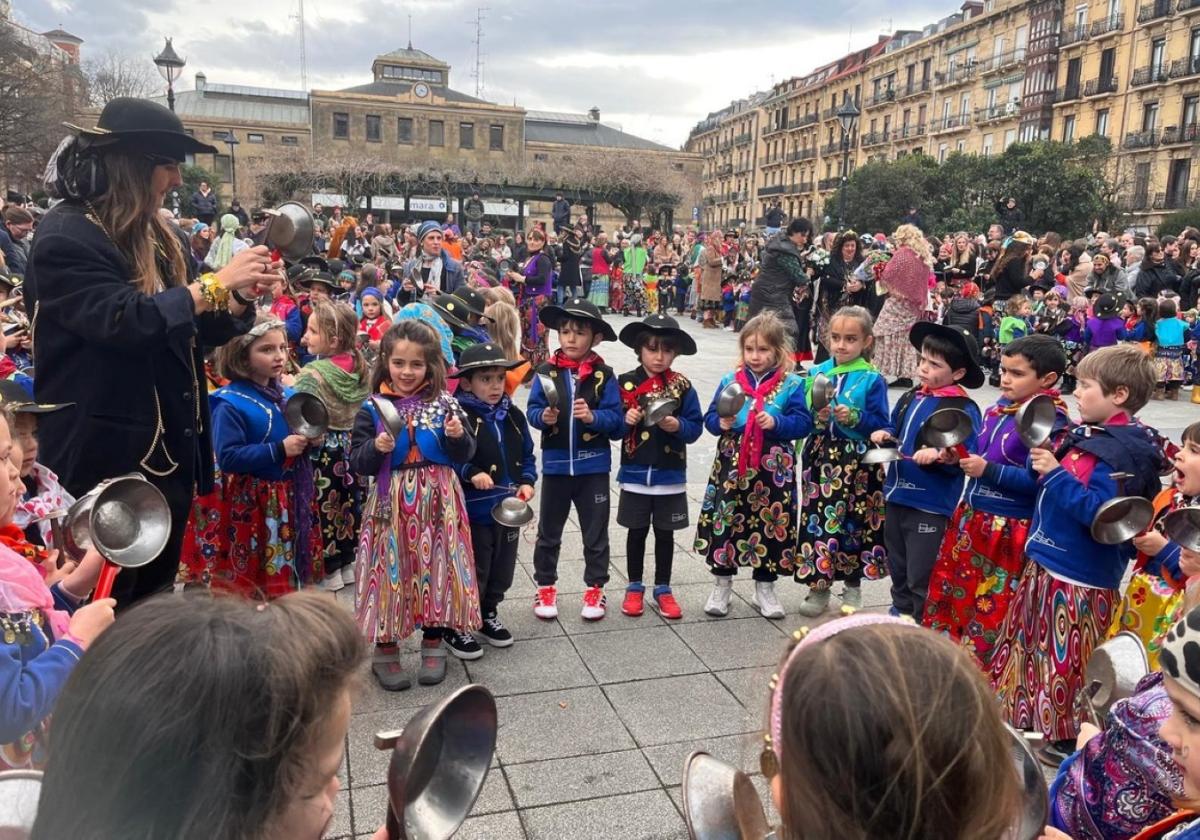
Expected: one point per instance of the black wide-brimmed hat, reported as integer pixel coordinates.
(452, 309)
(662, 325)
(472, 298)
(959, 338)
(145, 126)
(16, 399)
(578, 309)
(485, 355)
(311, 278)
(1106, 306)
(315, 262)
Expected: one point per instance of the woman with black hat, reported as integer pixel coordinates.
(120, 320)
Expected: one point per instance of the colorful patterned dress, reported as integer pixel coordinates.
(414, 566)
(749, 515)
(841, 534)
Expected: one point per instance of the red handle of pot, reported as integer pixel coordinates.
(108, 576)
(960, 450)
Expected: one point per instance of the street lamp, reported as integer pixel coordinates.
(848, 118)
(232, 141)
(170, 65)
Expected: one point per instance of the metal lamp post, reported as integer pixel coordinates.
(848, 118)
(232, 141)
(170, 65)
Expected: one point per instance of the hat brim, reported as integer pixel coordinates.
(449, 317)
(974, 376)
(37, 408)
(168, 143)
(506, 364)
(309, 280)
(631, 332)
(554, 315)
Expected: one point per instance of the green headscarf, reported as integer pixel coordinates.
(222, 250)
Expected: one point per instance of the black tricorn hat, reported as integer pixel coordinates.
(472, 298)
(961, 339)
(485, 355)
(144, 125)
(659, 324)
(579, 309)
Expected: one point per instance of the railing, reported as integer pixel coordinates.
(958, 75)
(1003, 110)
(835, 148)
(923, 86)
(1110, 24)
(1171, 201)
(802, 154)
(802, 187)
(1180, 134)
(1005, 59)
(725, 169)
(1141, 139)
(1098, 86)
(1154, 74)
(1183, 67)
(1066, 93)
(830, 113)
(807, 119)
(829, 183)
(743, 169)
(904, 132)
(773, 129)
(743, 139)
(883, 96)
(1074, 35)
(777, 189)
(1153, 11)
(951, 123)
(1187, 6)
(874, 138)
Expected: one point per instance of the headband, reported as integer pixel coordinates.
(772, 757)
(260, 329)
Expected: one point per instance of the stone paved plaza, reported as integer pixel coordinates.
(597, 718)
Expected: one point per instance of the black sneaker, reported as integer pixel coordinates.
(495, 633)
(463, 645)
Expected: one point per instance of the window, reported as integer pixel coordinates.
(965, 105)
(1068, 131)
(1081, 17)
(255, 138)
(374, 128)
(1010, 137)
(341, 126)
(1194, 48)
(987, 145)
(220, 135)
(942, 149)
(466, 135)
(961, 147)
(540, 157)
(1102, 122)
(1150, 116)
(290, 140)
(416, 74)
(496, 138)
(1191, 110)
(404, 130)
(1158, 50)
(223, 168)
(437, 133)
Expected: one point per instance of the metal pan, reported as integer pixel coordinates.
(512, 512)
(883, 455)
(658, 409)
(306, 415)
(720, 802)
(1035, 800)
(946, 428)
(1121, 519)
(1183, 526)
(1035, 421)
(290, 230)
(730, 400)
(20, 791)
(821, 391)
(1113, 672)
(549, 389)
(392, 421)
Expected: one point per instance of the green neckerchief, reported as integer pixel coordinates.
(850, 367)
(347, 387)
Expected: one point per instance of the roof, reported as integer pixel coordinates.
(579, 130)
(388, 87)
(409, 54)
(237, 103)
(62, 35)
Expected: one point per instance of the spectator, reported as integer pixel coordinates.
(1155, 274)
(913, 217)
(235, 207)
(1011, 217)
(18, 222)
(473, 212)
(773, 221)
(204, 203)
(560, 213)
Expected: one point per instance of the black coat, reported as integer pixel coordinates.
(1012, 281)
(776, 283)
(133, 364)
(1153, 279)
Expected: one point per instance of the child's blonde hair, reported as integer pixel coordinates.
(1013, 305)
(768, 326)
(1079, 304)
(504, 327)
(499, 294)
(1122, 365)
(863, 317)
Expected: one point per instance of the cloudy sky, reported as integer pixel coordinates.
(653, 68)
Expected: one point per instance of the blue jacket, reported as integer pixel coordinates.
(429, 436)
(792, 420)
(933, 489)
(248, 431)
(659, 458)
(1170, 332)
(503, 450)
(32, 676)
(571, 447)
(1060, 537)
(864, 391)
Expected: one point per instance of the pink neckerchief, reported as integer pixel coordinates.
(344, 361)
(23, 590)
(945, 391)
(752, 437)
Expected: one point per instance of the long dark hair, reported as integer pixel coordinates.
(1015, 251)
(196, 718)
(422, 335)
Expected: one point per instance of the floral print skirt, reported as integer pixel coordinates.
(750, 520)
(339, 500)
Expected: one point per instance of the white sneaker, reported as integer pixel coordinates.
(594, 604)
(719, 598)
(333, 582)
(765, 599)
(348, 575)
(545, 602)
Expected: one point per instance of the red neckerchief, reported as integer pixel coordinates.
(632, 399)
(582, 367)
(750, 454)
(1013, 408)
(944, 391)
(13, 537)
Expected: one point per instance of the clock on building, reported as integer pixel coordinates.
(421, 89)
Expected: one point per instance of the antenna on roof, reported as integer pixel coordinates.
(299, 18)
(410, 30)
(850, 39)
(477, 73)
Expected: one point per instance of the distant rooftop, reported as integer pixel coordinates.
(241, 102)
(392, 87)
(409, 54)
(583, 130)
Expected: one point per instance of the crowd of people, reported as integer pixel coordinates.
(169, 349)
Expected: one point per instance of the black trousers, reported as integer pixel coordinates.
(590, 496)
(495, 549)
(913, 538)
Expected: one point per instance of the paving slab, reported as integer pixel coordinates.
(741, 751)
(672, 709)
(735, 642)
(749, 686)
(533, 665)
(558, 724)
(637, 816)
(583, 777)
(626, 655)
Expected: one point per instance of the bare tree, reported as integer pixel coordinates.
(115, 74)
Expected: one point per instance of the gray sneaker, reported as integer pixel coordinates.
(385, 665)
(815, 603)
(433, 662)
(851, 598)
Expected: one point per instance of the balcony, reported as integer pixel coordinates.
(830, 113)
(1175, 134)
(743, 139)
(826, 184)
(1187, 6)
(1153, 11)
(875, 138)
(802, 154)
(1003, 111)
(956, 122)
(916, 88)
(1141, 139)
(1109, 25)
(882, 98)
(777, 189)
(1177, 200)
(835, 148)
(1067, 93)
(773, 129)
(725, 169)
(1100, 86)
(1183, 67)
(743, 169)
(802, 187)
(1006, 59)
(958, 75)
(801, 122)
(1153, 75)
(1074, 35)
(907, 132)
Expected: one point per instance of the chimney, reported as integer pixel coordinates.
(594, 114)
(201, 82)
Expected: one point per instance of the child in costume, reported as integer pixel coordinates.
(923, 490)
(503, 466)
(374, 322)
(42, 496)
(576, 456)
(749, 516)
(338, 375)
(842, 533)
(258, 532)
(1170, 336)
(1018, 312)
(983, 553)
(1105, 327)
(653, 472)
(1066, 597)
(414, 567)
(504, 324)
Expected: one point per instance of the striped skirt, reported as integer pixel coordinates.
(1043, 647)
(414, 567)
(598, 291)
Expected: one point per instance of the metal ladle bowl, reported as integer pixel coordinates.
(882, 455)
(306, 414)
(1121, 519)
(946, 428)
(1183, 526)
(730, 400)
(1035, 421)
(512, 512)
(658, 409)
(392, 421)
(822, 392)
(549, 389)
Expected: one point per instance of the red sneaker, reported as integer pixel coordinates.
(545, 602)
(668, 607)
(594, 603)
(632, 605)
